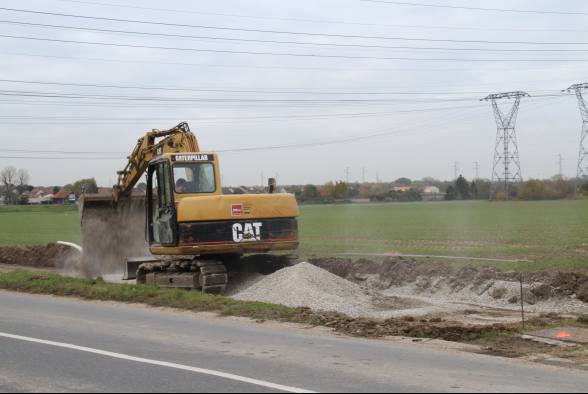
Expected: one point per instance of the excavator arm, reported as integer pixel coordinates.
(177, 140)
(114, 225)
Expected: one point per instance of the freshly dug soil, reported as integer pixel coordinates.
(48, 256)
(408, 327)
(399, 271)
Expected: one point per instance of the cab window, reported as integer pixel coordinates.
(194, 178)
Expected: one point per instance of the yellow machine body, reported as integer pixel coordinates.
(227, 219)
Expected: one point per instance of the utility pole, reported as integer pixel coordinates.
(506, 168)
(262, 179)
(455, 171)
(582, 173)
(477, 170)
(560, 165)
(347, 173)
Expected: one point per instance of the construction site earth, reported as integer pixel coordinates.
(393, 297)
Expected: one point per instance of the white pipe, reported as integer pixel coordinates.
(71, 245)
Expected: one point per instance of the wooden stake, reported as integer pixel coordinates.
(522, 303)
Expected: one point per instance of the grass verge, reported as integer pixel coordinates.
(98, 289)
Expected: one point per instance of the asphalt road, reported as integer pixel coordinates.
(55, 344)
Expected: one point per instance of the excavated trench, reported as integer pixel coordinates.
(48, 256)
(443, 278)
(395, 287)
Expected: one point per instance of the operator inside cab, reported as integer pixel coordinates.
(194, 178)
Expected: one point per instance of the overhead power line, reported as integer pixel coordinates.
(257, 41)
(20, 93)
(38, 94)
(318, 21)
(234, 90)
(378, 134)
(245, 118)
(511, 10)
(228, 65)
(282, 54)
(320, 44)
(372, 135)
(299, 33)
(60, 158)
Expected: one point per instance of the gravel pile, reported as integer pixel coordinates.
(305, 285)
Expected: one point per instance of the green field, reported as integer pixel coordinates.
(39, 225)
(549, 233)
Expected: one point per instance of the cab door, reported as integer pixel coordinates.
(160, 205)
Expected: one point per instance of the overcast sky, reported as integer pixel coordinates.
(396, 111)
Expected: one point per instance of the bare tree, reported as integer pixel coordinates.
(8, 177)
(22, 177)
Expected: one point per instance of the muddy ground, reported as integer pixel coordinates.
(48, 256)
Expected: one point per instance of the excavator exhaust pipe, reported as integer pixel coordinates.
(112, 233)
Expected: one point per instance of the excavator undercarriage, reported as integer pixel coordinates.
(210, 276)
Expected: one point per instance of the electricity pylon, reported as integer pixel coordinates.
(506, 168)
(582, 174)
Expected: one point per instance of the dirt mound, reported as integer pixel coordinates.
(569, 283)
(48, 256)
(305, 285)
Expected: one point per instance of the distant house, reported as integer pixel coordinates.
(431, 190)
(41, 200)
(432, 193)
(39, 195)
(402, 189)
(64, 197)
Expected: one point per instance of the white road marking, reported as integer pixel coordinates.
(223, 375)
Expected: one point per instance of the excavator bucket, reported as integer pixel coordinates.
(112, 233)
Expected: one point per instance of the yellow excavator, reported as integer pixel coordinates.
(188, 229)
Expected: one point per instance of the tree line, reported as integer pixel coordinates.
(404, 189)
(14, 185)
(556, 188)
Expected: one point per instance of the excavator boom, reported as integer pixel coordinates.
(176, 140)
(113, 226)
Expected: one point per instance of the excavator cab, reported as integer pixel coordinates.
(169, 180)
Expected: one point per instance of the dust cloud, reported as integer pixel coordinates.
(111, 235)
